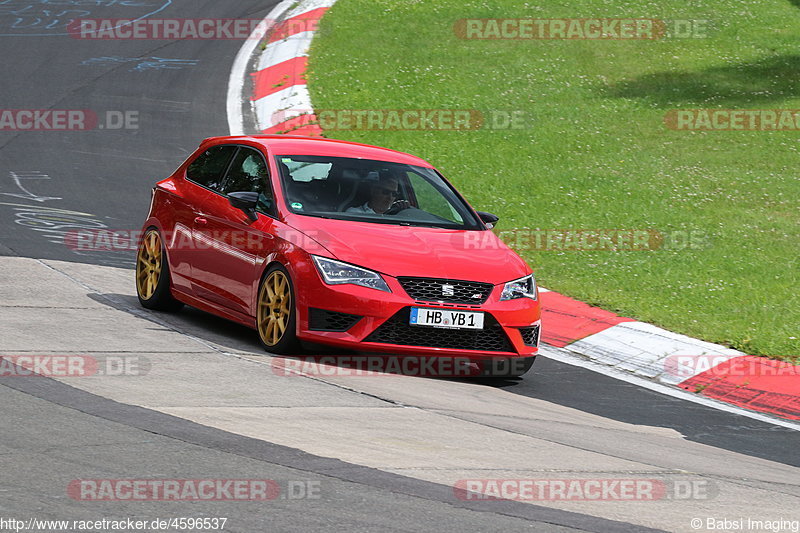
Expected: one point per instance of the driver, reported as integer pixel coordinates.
(383, 198)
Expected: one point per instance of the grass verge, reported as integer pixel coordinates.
(597, 153)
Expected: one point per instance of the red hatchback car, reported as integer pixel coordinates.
(337, 243)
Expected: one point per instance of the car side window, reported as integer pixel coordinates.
(208, 169)
(431, 200)
(249, 173)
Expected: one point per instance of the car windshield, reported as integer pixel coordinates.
(372, 191)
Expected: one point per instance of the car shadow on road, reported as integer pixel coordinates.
(205, 327)
(320, 361)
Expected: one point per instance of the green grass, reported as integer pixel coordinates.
(598, 154)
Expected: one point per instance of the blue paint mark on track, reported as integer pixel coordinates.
(143, 63)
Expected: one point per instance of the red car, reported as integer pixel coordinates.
(340, 244)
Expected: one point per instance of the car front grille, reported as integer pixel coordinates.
(446, 290)
(530, 335)
(397, 330)
(322, 320)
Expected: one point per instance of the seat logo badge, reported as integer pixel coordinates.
(448, 290)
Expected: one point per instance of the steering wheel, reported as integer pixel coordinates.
(397, 206)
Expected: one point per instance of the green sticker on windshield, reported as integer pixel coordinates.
(286, 160)
(297, 205)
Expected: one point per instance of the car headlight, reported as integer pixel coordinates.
(338, 273)
(520, 288)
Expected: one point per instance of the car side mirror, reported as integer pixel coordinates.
(489, 219)
(246, 201)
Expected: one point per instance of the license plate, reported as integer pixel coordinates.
(445, 318)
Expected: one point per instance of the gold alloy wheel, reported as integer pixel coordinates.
(274, 308)
(148, 265)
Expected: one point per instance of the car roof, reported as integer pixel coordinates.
(296, 145)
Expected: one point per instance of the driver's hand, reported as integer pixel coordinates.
(398, 206)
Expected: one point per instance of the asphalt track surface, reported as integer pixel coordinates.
(52, 181)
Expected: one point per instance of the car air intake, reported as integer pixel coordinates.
(530, 335)
(322, 320)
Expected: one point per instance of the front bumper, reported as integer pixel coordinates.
(511, 328)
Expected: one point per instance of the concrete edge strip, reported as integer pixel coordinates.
(282, 104)
(216, 439)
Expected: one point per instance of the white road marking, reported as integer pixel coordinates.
(295, 46)
(283, 105)
(28, 195)
(646, 350)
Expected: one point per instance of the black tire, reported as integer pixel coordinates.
(285, 341)
(506, 368)
(159, 299)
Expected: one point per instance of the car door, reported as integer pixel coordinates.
(234, 247)
(204, 177)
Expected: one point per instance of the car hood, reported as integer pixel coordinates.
(415, 251)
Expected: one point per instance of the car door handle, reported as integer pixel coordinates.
(201, 221)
